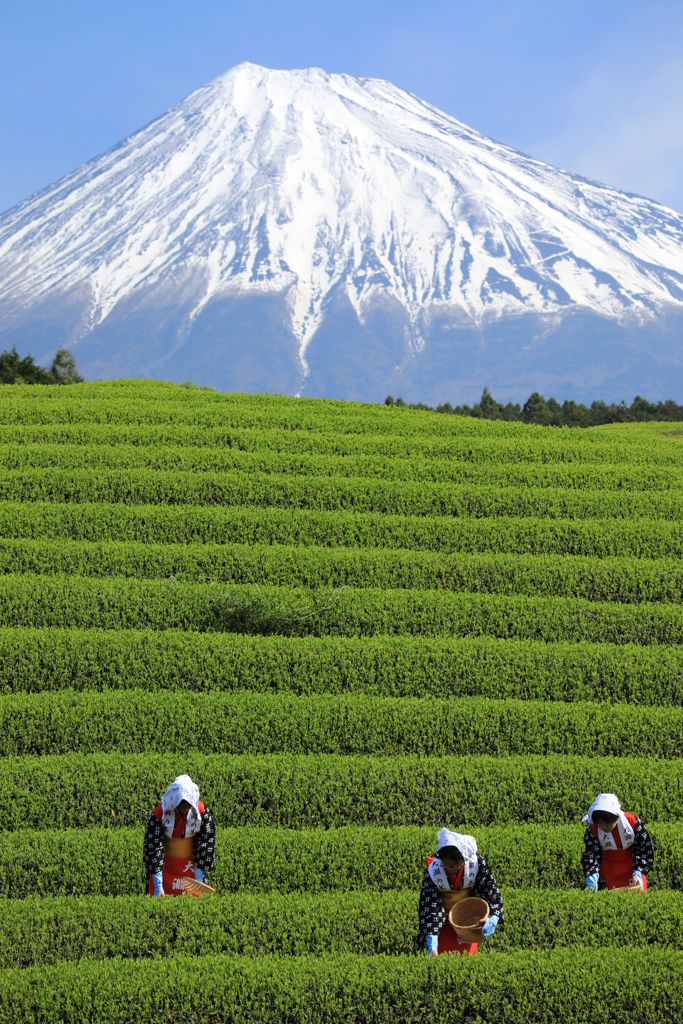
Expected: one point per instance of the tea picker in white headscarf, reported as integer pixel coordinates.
(180, 839)
(617, 847)
(453, 873)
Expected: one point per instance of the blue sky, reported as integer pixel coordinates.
(595, 87)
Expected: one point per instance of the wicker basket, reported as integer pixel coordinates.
(196, 888)
(468, 917)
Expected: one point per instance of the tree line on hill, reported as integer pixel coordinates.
(14, 370)
(536, 409)
(549, 412)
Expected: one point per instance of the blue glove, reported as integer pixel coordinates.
(638, 876)
(490, 926)
(592, 882)
(199, 874)
(158, 880)
(432, 943)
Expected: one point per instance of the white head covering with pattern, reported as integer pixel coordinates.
(466, 844)
(468, 848)
(610, 803)
(182, 788)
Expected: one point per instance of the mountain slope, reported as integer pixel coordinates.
(316, 233)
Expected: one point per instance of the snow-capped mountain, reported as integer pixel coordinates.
(321, 234)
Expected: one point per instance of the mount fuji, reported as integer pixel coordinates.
(317, 234)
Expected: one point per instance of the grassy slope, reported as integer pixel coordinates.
(505, 644)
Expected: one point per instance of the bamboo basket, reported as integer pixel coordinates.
(196, 888)
(468, 917)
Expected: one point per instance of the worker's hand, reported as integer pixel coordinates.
(434, 952)
(432, 945)
(490, 926)
(637, 879)
(592, 882)
(161, 892)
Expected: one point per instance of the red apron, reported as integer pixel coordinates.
(617, 865)
(448, 940)
(178, 858)
(450, 943)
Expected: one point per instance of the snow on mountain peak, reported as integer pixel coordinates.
(300, 182)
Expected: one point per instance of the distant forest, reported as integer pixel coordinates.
(537, 409)
(14, 370)
(549, 413)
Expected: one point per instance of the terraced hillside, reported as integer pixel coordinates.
(351, 625)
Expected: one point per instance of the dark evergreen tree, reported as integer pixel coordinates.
(14, 370)
(63, 368)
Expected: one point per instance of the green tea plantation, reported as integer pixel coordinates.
(351, 625)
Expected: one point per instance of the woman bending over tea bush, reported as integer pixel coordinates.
(180, 839)
(454, 873)
(617, 847)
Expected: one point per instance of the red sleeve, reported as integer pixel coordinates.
(631, 819)
(201, 808)
(157, 812)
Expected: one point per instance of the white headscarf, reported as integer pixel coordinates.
(468, 848)
(182, 788)
(466, 844)
(609, 802)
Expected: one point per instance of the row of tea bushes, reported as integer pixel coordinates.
(641, 986)
(50, 931)
(622, 580)
(118, 603)
(52, 659)
(243, 723)
(104, 860)
(323, 493)
(236, 524)
(326, 790)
